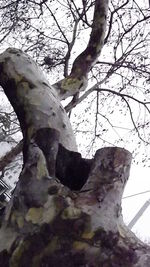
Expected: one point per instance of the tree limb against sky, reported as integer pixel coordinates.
(126, 36)
(66, 209)
(54, 43)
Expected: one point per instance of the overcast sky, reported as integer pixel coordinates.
(139, 181)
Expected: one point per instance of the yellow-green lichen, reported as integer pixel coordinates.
(22, 92)
(16, 76)
(78, 245)
(34, 215)
(44, 214)
(17, 218)
(17, 254)
(71, 213)
(25, 87)
(87, 235)
(41, 167)
(50, 210)
(70, 84)
(20, 221)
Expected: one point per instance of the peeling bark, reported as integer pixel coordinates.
(33, 99)
(49, 224)
(71, 85)
(46, 224)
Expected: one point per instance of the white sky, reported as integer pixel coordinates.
(139, 181)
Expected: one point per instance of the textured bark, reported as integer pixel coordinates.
(77, 80)
(73, 83)
(47, 224)
(33, 99)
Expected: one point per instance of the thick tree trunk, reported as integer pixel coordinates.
(46, 223)
(35, 102)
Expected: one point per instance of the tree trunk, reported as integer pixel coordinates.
(65, 210)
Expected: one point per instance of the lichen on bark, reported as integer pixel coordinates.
(65, 209)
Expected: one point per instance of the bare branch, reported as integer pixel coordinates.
(77, 80)
(133, 122)
(111, 19)
(70, 46)
(60, 29)
(9, 157)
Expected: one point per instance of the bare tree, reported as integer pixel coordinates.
(66, 209)
(118, 82)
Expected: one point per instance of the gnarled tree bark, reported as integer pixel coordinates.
(65, 210)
